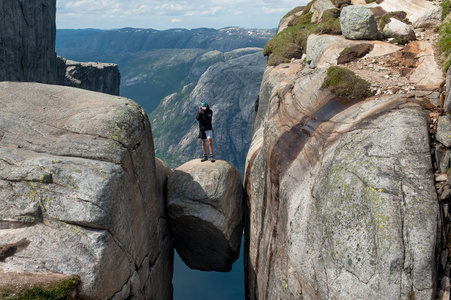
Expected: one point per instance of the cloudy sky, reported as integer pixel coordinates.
(165, 14)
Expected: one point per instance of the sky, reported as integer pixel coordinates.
(166, 14)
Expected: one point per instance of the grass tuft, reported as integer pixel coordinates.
(446, 5)
(294, 11)
(345, 83)
(444, 44)
(64, 290)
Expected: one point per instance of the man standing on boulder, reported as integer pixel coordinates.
(204, 116)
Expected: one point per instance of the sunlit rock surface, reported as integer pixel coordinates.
(341, 198)
(80, 192)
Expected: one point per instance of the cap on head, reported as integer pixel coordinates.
(204, 103)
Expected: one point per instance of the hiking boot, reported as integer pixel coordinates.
(205, 158)
(212, 158)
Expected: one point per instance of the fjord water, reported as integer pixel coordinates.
(200, 285)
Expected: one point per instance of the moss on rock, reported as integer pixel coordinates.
(60, 290)
(399, 15)
(345, 83)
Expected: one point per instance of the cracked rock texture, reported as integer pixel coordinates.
(27, 41)
(205, 208)
(341, 197)
(78, 185)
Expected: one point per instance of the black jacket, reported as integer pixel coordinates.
(205, 119)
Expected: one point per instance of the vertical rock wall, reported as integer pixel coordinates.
(27, 40)
(97, 77)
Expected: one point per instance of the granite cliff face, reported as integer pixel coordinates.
(97, 77)
(342, 199)
(27, 48)
(78, 184)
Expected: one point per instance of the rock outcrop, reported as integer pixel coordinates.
(319, 7)
(80, 193)
(358, 23)
(400, 30)
(205, 208)
(97, 77)
(27, 41)
(342, 196)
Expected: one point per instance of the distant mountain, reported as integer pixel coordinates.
(153, 63)
(79, 42)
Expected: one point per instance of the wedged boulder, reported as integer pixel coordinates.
(205, 208)
(341, 197)
(358, 23)
(319, 7)
(398, 29)
(79, 191)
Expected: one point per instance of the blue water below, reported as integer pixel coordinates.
(200, 285)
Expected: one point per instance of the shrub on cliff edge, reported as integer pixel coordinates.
(292, 42)
(345, 83)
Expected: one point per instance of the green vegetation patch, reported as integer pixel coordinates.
(294, 11)
(292, 42)
(308, 7)
(399, 15)
(345, 83)
(446, 5)
(62, 290)
(287, 44)
(330, 23)
(370, 1)
(444, 43)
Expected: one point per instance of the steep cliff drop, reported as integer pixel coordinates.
(341, 198)
(78, 183)
(97, 77)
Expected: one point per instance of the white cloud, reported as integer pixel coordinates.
(162, 14)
